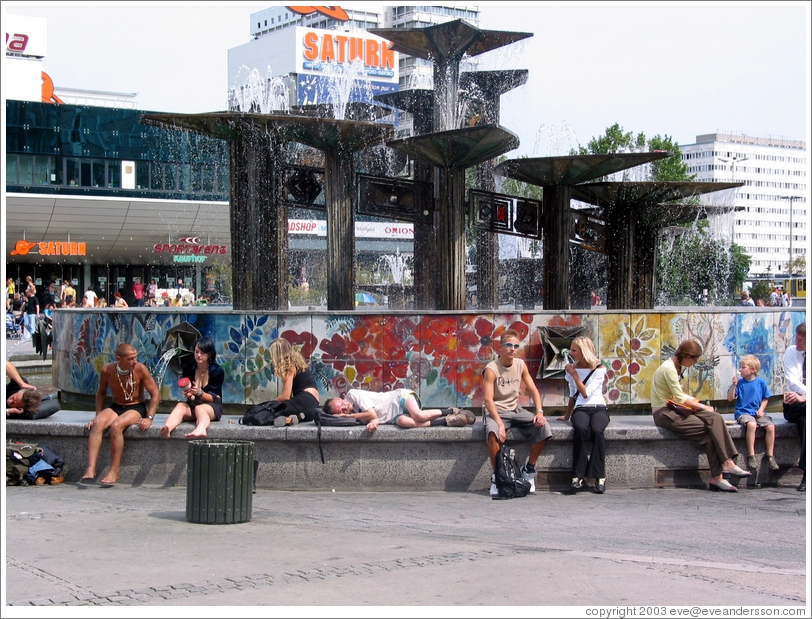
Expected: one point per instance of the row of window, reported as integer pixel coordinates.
(770, 223)
(709, 167)
(401, 11)
(765, 197)
(798, 186)
(773, 250)
(41, 170)
(771, 237)
(709, 153)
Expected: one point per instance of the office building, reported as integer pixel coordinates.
(772, 224)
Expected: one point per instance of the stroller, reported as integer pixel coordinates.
(14, 326)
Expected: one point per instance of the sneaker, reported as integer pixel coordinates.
(470, 418)
(57, 479)
(771, 463)
(530, 475)
(456, 420)
(494, 491)
(751, 462)
(40, 481)
(600, 485)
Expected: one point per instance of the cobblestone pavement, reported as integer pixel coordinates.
(78, 544)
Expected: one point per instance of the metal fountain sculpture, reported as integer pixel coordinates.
(456, 127)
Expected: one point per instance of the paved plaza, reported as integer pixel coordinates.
(80, 544)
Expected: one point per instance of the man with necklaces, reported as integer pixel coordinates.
(128, 380)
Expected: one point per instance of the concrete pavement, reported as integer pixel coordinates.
(84, 544)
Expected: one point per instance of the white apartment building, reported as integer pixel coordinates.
(773, 226)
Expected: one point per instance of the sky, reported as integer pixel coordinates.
(675, 69)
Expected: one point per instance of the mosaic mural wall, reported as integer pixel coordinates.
(438, 355)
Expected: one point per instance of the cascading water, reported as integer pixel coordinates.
(163, 363)
(398, 266)
(259, 94)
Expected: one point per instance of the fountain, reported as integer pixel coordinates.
(439, 348)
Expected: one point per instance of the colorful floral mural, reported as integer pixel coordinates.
(439, 355)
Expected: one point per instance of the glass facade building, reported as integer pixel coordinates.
(117, 188)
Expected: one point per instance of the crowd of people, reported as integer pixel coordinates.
(503, 381)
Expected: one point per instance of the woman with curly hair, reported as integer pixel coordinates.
(588, 414)
(299, 391)
(697, 422)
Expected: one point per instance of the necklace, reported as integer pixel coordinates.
(129, 383)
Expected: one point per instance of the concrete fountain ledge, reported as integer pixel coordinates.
(639, 454)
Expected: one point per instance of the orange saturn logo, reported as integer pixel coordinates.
(22, 248)
(336, 12)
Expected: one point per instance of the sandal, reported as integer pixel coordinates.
(721, 486)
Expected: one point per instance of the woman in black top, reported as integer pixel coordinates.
(299, 390)
(204, 395)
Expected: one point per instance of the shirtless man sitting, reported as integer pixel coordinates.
(127, 380)
(400, 407)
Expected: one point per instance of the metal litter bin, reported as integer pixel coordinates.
(219, 477)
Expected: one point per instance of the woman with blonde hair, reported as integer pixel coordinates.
(697, 422)
(299, 391)
(588, 413)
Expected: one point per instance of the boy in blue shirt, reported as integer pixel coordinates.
(751, 394)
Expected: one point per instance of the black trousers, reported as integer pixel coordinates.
(796, 413)
(589, 422)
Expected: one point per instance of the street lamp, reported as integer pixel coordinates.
(733, 160)
(791, 200)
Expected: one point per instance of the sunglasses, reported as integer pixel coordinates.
(514, 346)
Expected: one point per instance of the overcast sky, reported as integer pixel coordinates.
(680, 69)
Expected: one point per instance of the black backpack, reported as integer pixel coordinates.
(509, 480)
(320, 418)
(263, 414)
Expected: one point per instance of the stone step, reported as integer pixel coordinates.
(639, 454)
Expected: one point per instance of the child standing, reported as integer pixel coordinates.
(751, 394)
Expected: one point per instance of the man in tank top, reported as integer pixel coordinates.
(502, 380)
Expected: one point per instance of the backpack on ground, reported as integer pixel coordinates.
(509, 480)
(27, 461)
(263, 414)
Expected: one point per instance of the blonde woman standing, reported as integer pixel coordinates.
(588, 413)
(299, 390)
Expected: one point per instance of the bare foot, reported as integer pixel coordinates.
(165, 432)
(89, 474)
(196, 434)
(111, 477)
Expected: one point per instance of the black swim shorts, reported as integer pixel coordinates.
(120, 409)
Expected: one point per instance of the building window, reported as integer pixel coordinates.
(11, 170)
(72, 172)
(98, 173)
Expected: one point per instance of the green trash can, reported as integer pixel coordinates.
(219, 476)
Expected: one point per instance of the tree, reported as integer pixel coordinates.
(797, 266)
(690, 263)
(614, 141)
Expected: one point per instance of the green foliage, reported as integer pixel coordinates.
(615, 141)
(696, 262)
(671, 168)
(739, 266)
(797, 266)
